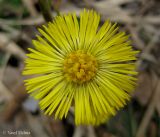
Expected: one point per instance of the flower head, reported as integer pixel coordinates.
(76, 64)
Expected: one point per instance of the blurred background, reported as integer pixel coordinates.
(20, 115)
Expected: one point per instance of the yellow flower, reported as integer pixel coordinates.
(76, 64)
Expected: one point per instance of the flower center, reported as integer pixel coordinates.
(80, 67)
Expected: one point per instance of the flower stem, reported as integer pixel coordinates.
(132, 124)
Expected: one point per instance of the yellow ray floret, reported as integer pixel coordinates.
(76, 64)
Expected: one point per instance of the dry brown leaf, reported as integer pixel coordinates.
(5, 93)
(144, 88)
(146, 85)
(12, 78)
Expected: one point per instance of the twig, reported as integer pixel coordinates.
(45, 6)
(114, 16)
(54, 128)
(14, 104)
(147, 50)
(148, 114)
(30, 6)
(147, 4)
(11, 47)
(91, 131)
(4, 64)
(5, 92)
(56, 5)
(36, 126)
(39, 19)
(152, 43)
(139, 43)
(79, 131)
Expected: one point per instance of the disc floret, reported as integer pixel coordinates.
(80, 67)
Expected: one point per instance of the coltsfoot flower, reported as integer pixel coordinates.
(77, 64)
